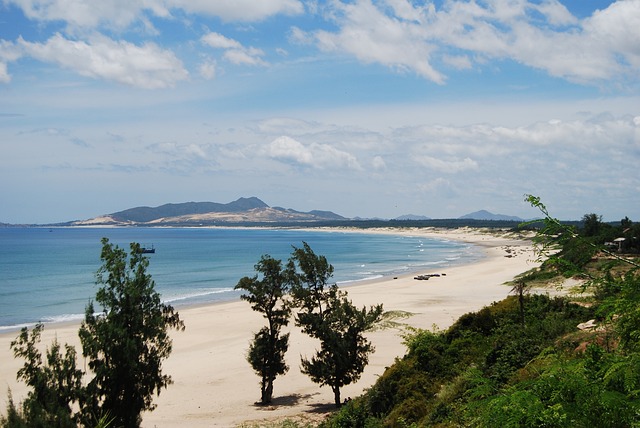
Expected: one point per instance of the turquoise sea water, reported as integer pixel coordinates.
(48, 275)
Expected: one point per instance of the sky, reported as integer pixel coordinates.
(367, 108)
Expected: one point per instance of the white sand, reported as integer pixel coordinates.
(215, 386)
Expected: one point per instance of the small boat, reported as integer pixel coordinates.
(147, 250)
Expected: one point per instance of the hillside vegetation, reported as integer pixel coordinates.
(523, 362)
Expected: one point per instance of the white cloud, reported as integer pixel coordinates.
(299, 36)
(451, 166)
(378, 163)
(281, 125)
(240, 10)
(317, 156)
(244, 56)
(234, 51)
(544, 35)
(182, 159)
(207, 69)
(120, 14)
(372, 36)
(4, 74)
(218, 41)
(81, 13)
(147, 66)
(176, 150)
(405, 36)
(9, 52)
(616, 28)
(195, 150)
(460, 62)
(555, 13)
(438, 185)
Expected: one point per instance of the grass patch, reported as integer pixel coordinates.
(391, 319)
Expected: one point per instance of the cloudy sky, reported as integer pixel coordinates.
(369, 108)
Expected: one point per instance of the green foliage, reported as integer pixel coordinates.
(310, 290)
(327, 315)
(266, 356)
(355, 414)
(626, 309)
(344, 351)
(55, 382)
(573, 257)
(287, 423)
(15, 418)
(591, 224)
(492, 369)
(575, 247)
(126, 343)
(266, 295)
(401, 382)
(564, 392)
(124, 347)
(430, 352)
(445, 374)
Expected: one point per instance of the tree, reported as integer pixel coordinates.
(329, 316)
(592, 223)
(520, 288)
(56, 383)
(126, 343)
(266, 295)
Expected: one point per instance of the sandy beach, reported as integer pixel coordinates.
(214, 386)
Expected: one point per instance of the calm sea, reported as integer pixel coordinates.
(48, 274)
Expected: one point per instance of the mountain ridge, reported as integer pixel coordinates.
(253, 211)
(145, 214)
(486, 215)
(242, 210)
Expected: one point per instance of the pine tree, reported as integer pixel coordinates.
(329, 316)
(126, 343)
(266, 295)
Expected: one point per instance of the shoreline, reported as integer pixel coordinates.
(215, 386)
(182, 302)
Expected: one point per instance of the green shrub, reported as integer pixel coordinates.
(399, 382)
(354, 414)
(410, 411)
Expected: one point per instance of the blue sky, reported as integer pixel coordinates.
(365, 108)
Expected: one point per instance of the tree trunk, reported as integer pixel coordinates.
(336, 395)
(267, 392)
(521, 302)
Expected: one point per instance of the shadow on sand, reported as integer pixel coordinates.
(284, 401)
(295, 400)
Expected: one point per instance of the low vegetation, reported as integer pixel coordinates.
(523, 362)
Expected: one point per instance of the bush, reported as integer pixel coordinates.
(448, 378)
(399, 382)
(354, 414)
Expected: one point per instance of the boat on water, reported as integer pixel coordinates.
(147, 250)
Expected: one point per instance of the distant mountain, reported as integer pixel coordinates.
(243, 210)
(486, 215)
(412, 217)
(147, 214)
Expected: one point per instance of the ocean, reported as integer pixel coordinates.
(48, 274)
